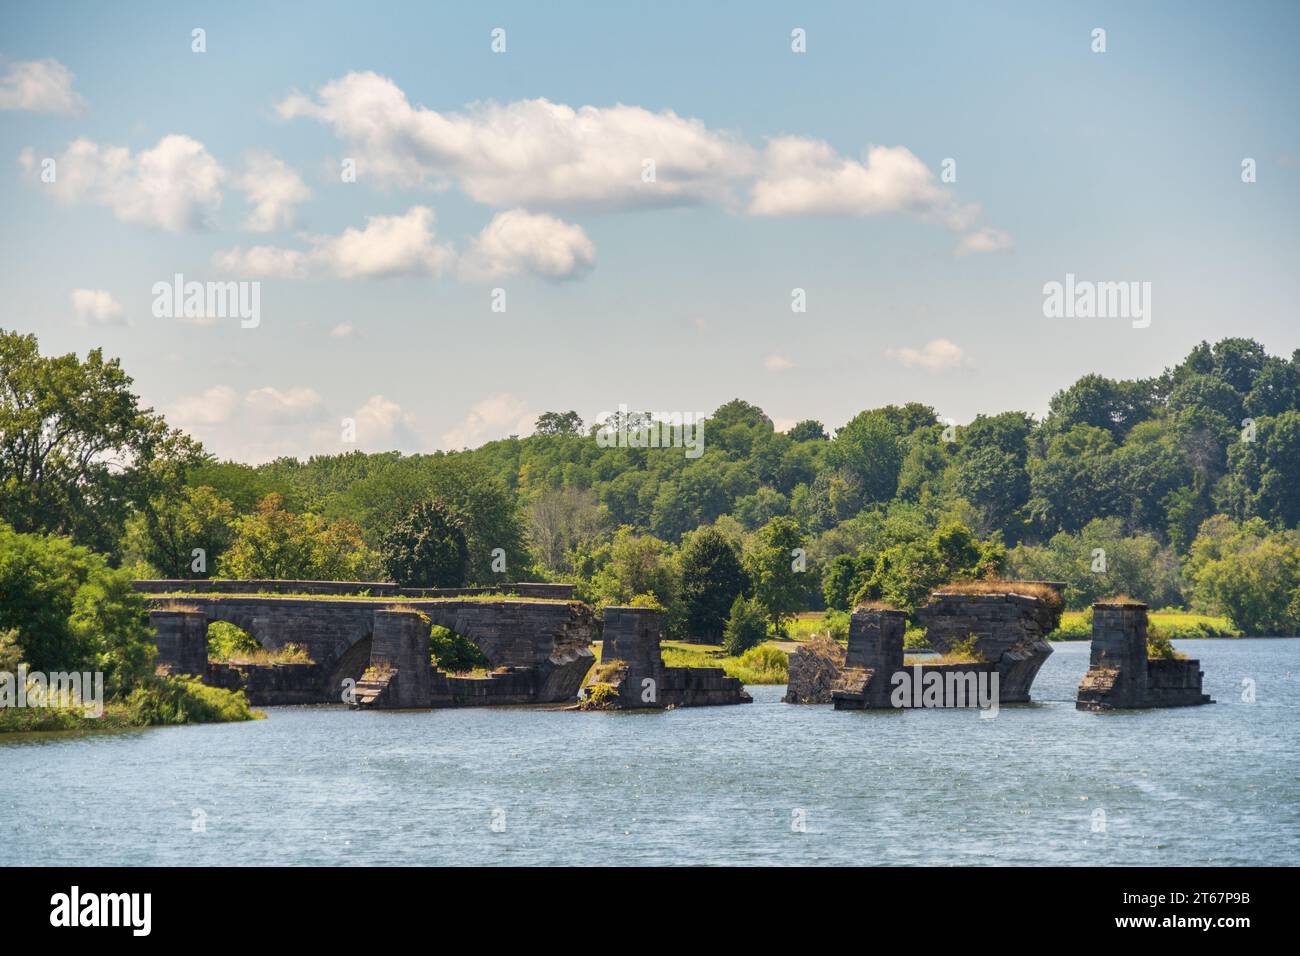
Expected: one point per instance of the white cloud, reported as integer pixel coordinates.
(39, 86)
(496, 416)
(529, 152)
(777, 363)
(275, 190)
(343, 330)
(387, 246)
(292, 405)
(383, 426)
(935, 356)
(176, 185)
(519, 241)
(213, 407)
(97, 307)
(803, 176)
(984, 240)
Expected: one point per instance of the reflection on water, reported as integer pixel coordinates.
(763, 783)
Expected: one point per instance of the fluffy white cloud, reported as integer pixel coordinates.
(382, 425)
(97, 307)
(40, 86)
(808, 177)
(212, 407)
(176, 185)
(529, 152)
(274, 189)
(935, 356)
(496, 416)
(343, 330)
(519, 241)
(777, 363)
(387, 246)
(290, 405)
(984, 240)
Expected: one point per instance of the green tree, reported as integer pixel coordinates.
(426, 549)
(775, 568)
(70, 611)
(275, 543)
(175, 524)
(711, 579)
(76, 449)
(746, 626)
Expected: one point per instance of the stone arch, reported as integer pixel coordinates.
(350, 664)
(227, 641)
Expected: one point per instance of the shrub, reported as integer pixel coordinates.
(185, 700)
(746, 627)
(454, 653)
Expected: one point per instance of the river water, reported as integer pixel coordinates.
(763, 783)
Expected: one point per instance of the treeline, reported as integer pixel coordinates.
(1181, 490)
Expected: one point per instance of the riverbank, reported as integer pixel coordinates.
(163, 701)
(1170, 623)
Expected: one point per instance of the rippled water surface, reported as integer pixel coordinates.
(1037, 784)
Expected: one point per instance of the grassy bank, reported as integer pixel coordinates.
(160, 702)
(1170, 624)
(765, 664)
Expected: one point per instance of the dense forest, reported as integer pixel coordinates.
(1181, 490)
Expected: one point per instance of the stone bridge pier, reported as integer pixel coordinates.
(1121, 675)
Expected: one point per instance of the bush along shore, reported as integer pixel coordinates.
(160, 701)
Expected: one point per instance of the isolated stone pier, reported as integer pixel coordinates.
(874, 656)
(1120, 675)
(632, 674)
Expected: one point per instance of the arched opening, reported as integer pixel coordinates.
(453, 653)
(231, 644)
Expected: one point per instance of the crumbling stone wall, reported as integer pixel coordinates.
(551, 638)
(1119, 674)
(632, 664)
(1010, 631)
(814, 668)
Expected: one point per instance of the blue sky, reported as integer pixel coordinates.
(1115, 166)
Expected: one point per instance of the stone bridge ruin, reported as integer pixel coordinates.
(539, 649)
(1120, 674)
(1003, 626)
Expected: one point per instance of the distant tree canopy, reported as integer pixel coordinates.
(1189, 481)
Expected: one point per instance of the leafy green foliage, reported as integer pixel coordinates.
(426, 549)
(276, 543)
(711, 579)
(454, 653)
(746, 626)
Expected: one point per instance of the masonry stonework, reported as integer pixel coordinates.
(631, 664)
(1120, 675)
